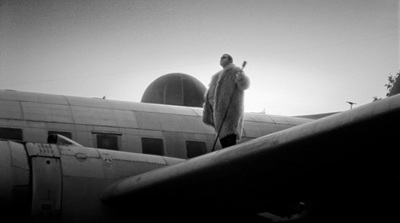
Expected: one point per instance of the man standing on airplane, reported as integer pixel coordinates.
(223, 102)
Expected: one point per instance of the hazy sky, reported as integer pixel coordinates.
(304, 56)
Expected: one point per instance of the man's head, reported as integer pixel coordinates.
(226, 59)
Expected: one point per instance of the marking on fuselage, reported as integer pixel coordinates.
(81, 157)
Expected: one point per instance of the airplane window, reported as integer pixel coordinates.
(11, 133)
(105, 141)
(66, 134)
(195, 148)
(153, 146)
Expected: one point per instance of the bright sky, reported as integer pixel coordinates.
(304, 56)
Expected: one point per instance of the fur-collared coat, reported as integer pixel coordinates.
(224, 85)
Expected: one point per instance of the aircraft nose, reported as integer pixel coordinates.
(14, 181)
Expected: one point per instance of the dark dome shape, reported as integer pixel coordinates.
(175, 89)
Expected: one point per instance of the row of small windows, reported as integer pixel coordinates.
(154, 146)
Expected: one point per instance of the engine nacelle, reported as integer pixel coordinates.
(15, 185)
(46, 182)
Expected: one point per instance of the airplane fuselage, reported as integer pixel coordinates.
(165, 130)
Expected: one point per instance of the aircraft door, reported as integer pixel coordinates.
(46, 182)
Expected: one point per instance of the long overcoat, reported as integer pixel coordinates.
(228, 90)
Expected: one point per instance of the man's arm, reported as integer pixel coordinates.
(242, 81)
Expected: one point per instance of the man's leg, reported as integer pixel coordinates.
(228, 140)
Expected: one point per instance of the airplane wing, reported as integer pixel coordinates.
(344, 165)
